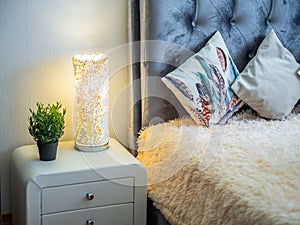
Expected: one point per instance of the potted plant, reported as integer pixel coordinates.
(46, 126)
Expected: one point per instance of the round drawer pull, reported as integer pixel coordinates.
(89, 196)
(89, 222)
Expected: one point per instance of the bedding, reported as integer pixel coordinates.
(246, 172)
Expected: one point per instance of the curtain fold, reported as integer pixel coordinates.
(134, 74)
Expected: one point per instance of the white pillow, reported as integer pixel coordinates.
(269, 84)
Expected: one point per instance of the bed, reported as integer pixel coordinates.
(217, 131)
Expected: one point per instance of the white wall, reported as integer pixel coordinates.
(37, 41)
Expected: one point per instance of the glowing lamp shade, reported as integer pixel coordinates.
(91, 102)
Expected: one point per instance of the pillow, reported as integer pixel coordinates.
(202, 83)
(269, 84)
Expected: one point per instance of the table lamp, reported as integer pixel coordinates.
(90, 114)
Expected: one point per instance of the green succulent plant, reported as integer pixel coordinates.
(47, 123)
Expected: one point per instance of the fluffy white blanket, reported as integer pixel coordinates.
(246, 172)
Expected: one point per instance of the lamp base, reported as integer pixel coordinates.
(89, 148)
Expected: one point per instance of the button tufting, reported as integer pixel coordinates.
(251, 54)
(194, 23)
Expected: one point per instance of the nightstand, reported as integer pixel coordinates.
(78, 188)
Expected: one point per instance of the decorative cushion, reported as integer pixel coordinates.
(269, 84)
(202, 83)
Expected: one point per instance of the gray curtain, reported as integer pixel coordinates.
(134, 74)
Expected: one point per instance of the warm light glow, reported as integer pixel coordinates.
(91, 102)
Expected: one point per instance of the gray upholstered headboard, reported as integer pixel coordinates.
(179, 28)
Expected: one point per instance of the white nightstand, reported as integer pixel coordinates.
(78, 188)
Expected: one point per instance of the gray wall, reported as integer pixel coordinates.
(37, 41)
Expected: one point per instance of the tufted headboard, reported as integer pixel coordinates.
(170, 31)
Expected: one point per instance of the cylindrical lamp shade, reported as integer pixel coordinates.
(91, 102)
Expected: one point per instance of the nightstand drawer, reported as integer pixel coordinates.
(106, 215)
(86, 195)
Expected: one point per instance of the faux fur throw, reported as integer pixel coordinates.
(246, 172)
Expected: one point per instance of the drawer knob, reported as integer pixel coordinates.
(89, 222)
(89, 196)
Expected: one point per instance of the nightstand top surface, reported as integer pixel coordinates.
(71, 161)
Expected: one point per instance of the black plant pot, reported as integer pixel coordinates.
(48, 151)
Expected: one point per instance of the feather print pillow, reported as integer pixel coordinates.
(202, 83)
